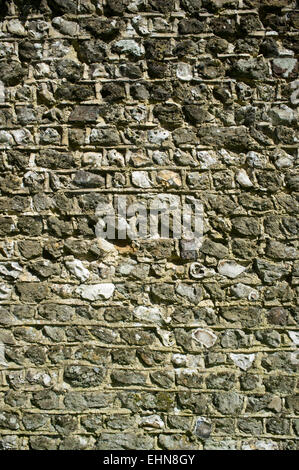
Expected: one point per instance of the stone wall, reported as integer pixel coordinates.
(148, 343)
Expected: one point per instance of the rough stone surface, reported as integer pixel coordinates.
(123, 342)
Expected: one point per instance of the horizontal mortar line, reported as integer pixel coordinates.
(150, 432)
(103, 323)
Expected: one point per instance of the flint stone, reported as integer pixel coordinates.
(96, 291)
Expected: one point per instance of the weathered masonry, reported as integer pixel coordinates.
(148, 343)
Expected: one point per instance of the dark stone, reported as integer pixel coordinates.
(29, 51)
(85, 113)
(203, 429)
(92, 51)
(83, 376)
(156, 49)
(69, 69)
(102, 28)
(277, 316)
(163, 6)
(170, 115)
(191, 26)
(12, 73)
(88, 180)
(72, 92)
(113, 92)
(117, 7)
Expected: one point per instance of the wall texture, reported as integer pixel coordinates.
(148, 344)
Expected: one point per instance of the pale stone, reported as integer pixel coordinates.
(184, 72)
(11, 269)
(179, 360)
(282, 114)
(141, 179)
(169, 178)
(260, 445)
(115, 158)
(198, 271)
(243, 179)
(256, 160)
(285, 63)
(127, 268)
(152, 421)
(166, 337)
(96, 291)
(149, 314)
(6, 138)
(244, 361)
(283, 159)
(76, 267)
(92, 159)
(243, 291)
(22, 136)
(15, 27)
(206, 159)
(206, 338)
(295, 95)
(140, 24)
(230, 268)
(66, 27)
(294, 335)
(158, 136)
(5, 292)
(2, 92)
(130, 46)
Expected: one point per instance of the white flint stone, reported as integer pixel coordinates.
(286, 63)
(179, 359)
(230, 268)
(295, 95)
(166, 337)
(11, 269)
(294, 358)
(93, 159)
(243, 291)
(5, 291)
(260, 445)
(140, 24)
(256, 160)
(66, 27)
(76, 267)
(207, 159)
(158, 136)
(141, 179)
(130, 46)
(282, 114)
(205, 337)
(115, 158)
(96, 291)
(184, 72)
(2, 92)
(127, 268)
(294, 335)
(153, 421)
(15, 27)
(22, 136)
(198, 271)
(244, 361)
(149, 314)
(6, 138)
(243, 179)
